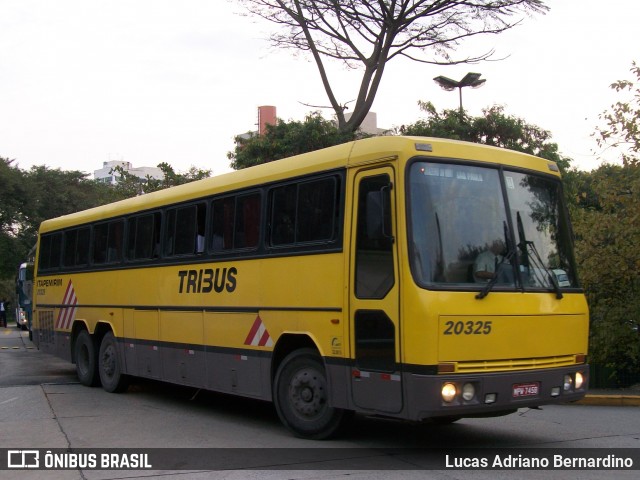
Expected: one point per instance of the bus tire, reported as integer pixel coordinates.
(111, 376)
(86, 360)
(301, 397)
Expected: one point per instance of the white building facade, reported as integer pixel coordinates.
(107, 174)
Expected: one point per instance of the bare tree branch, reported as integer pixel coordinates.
(367, 34)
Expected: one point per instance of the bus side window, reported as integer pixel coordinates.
(50, 251)
(100, 243)
(222, 222)
(184, 229)
(116, 235)
(247, 228)
(76, 247)
(304, 212)
(144, 237)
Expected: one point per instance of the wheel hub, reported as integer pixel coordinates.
(307, 393)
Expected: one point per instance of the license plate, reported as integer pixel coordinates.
(526, 389)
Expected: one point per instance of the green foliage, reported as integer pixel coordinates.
(606, 212)
(32, 196)
(607, 229)
(494, 128)
(8, 292)
(286, 139)
(622, 121)
(12, 194)
(129, 185)
(27, 198)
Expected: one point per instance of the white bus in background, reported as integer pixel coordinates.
(24, 295)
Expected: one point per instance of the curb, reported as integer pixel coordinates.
(611, 400)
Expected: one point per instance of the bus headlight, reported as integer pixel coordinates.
(568, 382)
(449, 392)
(468, 392)
(579, 380)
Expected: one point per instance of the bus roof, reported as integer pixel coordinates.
(369, 150)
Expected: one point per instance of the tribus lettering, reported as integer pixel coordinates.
(207, 280)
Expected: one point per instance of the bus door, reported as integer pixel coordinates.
(374, 294)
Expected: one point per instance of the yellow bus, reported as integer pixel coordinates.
(413, 278)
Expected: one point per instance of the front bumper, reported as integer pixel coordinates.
(495, 393)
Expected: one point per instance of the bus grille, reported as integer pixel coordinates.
(515, 364)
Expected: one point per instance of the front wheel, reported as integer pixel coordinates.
(301, 397)
(111, 376)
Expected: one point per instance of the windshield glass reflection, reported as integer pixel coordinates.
(461, 233)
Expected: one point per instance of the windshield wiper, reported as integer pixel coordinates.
(535, 261)
(506, 259)
(489, 285)
(538, 263)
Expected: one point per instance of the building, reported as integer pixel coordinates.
(370, 124)
(107, 174)
(267, 116)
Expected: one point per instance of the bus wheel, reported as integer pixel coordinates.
(111, 376)
(86, 361)
(301, 397)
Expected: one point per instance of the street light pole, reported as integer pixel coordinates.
(470, 80)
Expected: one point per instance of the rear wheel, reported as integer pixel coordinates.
(111, 376)
(301, 397)
(86, 361)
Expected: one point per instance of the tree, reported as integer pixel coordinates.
(622, 121)
(27, 198)
(607, 229)
(286, 139)
(494, 128)
(30, 197)
(129, 185)
(12, 195)
(606, 213)
(368, 34)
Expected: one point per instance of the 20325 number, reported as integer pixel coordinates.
(469, 327)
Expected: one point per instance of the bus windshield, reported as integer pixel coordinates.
(463, 231)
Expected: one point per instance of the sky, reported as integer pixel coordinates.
(83, 82)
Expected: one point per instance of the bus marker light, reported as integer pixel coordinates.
(555, 391)
(490, 398)
(424, 147)
(446, 367)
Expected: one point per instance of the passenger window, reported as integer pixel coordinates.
(236, 222)
(223, 215)
(247, 231)
(76, 247)
(50, 251)
(303, 212)
(100, 242)
(144, 237)
(107, 242)
(184, 234)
